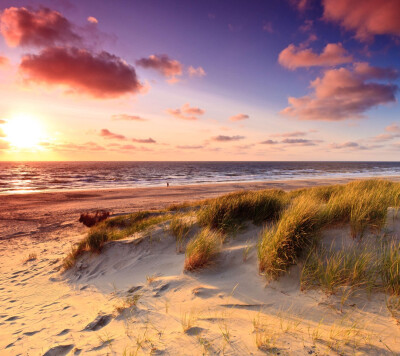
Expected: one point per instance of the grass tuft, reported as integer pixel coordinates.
(329, 269)
(296, 231)
(180, 227)
(202, 249)
(113, 229)
(228, 212)
(390, 267)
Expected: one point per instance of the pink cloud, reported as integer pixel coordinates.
(44, 27)
(352, 146)
(126, 117)
(293, 57)
(393, 132)
(189, 147)
(169, 68)
(186, 112)
(196, 72)
(111, 135)
(99, 75)
(143, 140)
(223, 138)
(393, 128)
(366, 17)
(239, 117)
(269, 142)
(299, 141)
(301, 5)
(343, 93)
(290, 134)
(92, 20)
(68, 146)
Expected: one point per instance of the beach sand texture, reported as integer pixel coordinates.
(135, 298)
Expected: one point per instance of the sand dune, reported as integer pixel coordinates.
(135, 298)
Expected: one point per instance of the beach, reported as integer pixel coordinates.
(47, 311)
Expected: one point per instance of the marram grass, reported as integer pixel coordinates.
(202, 249)
(229, 211)
(295, 220)
(362, 204)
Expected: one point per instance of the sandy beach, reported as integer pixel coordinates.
(217, 311)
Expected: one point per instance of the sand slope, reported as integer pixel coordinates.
(224, 309)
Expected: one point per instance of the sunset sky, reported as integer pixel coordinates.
(200, 80)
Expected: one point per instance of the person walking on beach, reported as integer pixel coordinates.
(167, 184)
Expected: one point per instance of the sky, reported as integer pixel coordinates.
(199, 80)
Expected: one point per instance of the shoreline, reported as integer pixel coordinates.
(55, 214)
(343, 178)
(272, 182)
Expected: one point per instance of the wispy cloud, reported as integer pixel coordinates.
(239, 117)
(223, 138)
(163, 64)
(196, 72)
(111, 135)
(351, 145)
(269, 142)
(126, 117)
(143, 140)
(290, 134)
(190, 147)
(186, 112)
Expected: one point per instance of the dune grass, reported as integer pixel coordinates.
(368, 266)
(228, 212)
(115, 228)
(390, 267)
(362, 204)
(296, 230)
(295, 222)
(330, 269)
(180, 227)
(201, 250)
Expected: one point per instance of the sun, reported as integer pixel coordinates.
(23, 131)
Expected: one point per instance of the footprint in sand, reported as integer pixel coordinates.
(30, 333)
(100, 322)
(59, 350)
(65, 331)
(203, 292)
(12, 318)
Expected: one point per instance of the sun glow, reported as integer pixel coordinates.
(24, 131)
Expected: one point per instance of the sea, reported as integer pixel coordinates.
(27, 177)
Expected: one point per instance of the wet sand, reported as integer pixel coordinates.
(52, 214)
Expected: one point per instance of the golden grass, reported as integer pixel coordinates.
(113, 229)
(228, 212)
(370, 266)
(180, 227)
(362, 204)
(296, 219)
(329, 269)
(201, 250)
(296, 230)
